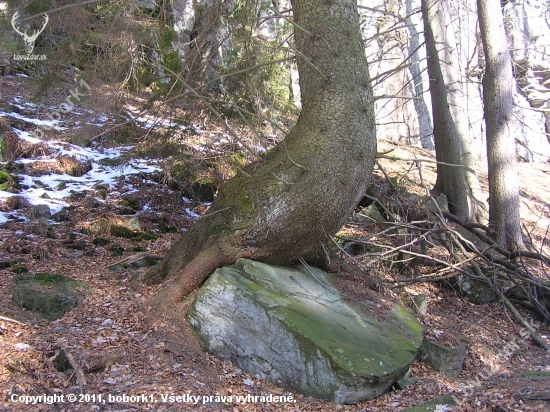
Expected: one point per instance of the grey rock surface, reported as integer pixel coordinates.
(290, 326)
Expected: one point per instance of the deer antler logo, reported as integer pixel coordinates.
(29, 40)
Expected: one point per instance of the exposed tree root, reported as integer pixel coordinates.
(194, 274)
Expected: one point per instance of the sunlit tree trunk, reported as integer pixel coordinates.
(286, 205)
(424, 122)
(451, 131)
(498, 82)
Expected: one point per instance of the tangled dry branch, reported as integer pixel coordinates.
(409, 252)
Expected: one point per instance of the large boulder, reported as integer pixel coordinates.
(290, 326)
(49, 294)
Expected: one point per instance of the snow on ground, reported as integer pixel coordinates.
(54, 189)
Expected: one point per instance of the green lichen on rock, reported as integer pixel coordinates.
(291, 326)
(97, 227)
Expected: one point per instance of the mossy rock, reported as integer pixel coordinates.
(157, 273)
(477, 291)
(19, 268)
(9, 182)
(447, 360)
(74, 244)
(133, 223)
(116, 250)
(165, 227)
(130, 202)
(370, 214)
(291, 326)
(4, 176)
(101, 190)
(140, 263)
(99, 241)
(4, 264)
(49, 294)
(122, 231)
(97, 227)
(145, 236)
(112, 162)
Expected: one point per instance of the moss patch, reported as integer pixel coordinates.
(122, 231)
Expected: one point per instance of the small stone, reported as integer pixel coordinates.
(372, 214)
(62, 216)
(439, 404)
(99, 241)
(75, 254)
(22, 346)
(133, 223)
(441, 202)
(41, 211)
(419, 304)
(447, 360)
(116, 268)
(404, 382)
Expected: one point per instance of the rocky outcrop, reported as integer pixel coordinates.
(290, 326)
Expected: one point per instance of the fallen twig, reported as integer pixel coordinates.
(5, 319)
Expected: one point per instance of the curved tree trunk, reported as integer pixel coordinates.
(498, 83)
(285, 206)
(451, 131)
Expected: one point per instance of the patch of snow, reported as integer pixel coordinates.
(22, 346)
(48, 191)
(26, 136)
(46, 124)
(191, 213)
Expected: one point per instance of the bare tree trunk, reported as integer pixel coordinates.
(498, 83)
(451, 130)
(200, 34)
(287, 205)
(424, 122)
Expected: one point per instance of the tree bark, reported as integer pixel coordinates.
(498, 81)
(287, 205)
(451, 130)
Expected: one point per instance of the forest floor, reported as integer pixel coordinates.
(110, 336)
